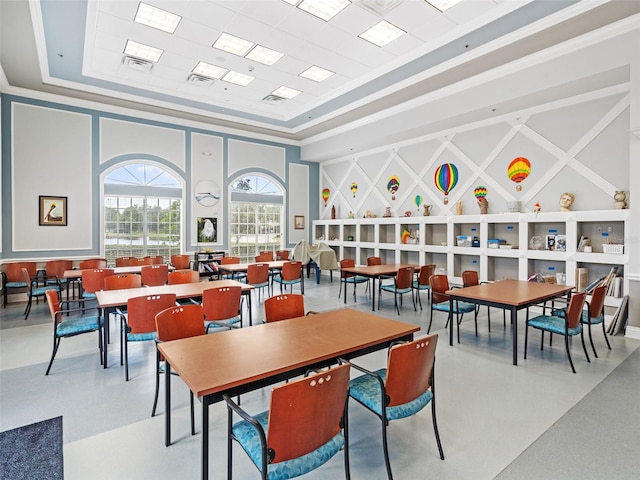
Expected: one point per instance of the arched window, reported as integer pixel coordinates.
(256, 216)
(142, 206)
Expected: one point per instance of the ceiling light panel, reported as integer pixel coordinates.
(238, 78)
(157, 18)
(317, 74)
(382, 33)
(442, 5)
(232, 44)
(142, 51)
(324, 9)
(286, 92)
(264, 55)
(208, 70)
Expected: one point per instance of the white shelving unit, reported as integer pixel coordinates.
(435, 238)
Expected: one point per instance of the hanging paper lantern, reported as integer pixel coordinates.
(480, 192)
(418, 201)
(354, 188)
(445, 178)
(325, 195)
(392, 185)
(518, 170)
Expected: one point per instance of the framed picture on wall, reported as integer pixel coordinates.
(207, 229)
(52, 211)
(298, 222)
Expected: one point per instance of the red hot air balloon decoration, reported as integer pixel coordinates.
(445, 178)
(325, 195)
(392, 185)
(518, 170)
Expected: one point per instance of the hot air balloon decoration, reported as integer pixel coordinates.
(418, 201)
(445, 178)
(480, 192)
(518, 170)
(392, 185)
(325, 195)
(354, 188)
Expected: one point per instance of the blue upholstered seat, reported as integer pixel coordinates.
(553, 324)
(458, 307)
(74, 326)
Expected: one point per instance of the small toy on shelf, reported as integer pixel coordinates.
(566, 200)
(387, 213)
(484, 205)
(621, 198)
(536, 207)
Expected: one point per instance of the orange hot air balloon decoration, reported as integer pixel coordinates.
(325, 195)
(518, 170)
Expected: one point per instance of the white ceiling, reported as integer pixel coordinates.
(75, 47)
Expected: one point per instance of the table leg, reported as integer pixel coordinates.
(250, 308)
(373, 293)
(514, 333)
(167, 403)
(205, 439)
(345, 287)
(301, 283)
(450, 321)
(106, 316)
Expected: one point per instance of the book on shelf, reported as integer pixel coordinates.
(582, 278)
(619, 321)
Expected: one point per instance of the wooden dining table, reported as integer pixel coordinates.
(77, 272)
(512, 295)
(376, 272)
(109, 300)
(242, 360)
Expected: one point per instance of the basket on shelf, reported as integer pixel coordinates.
(613, 248)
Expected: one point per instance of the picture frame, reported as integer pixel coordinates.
(52, 211)
(207, 229)
(298, 222)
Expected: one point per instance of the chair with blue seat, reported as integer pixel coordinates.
(568, 324)
(154, 275)
(284, 306)
(138, 324)
(54, 273)
(35, 290)
(470, 278)
(93, 281)
(306, 425)
(222, 308)
(401, 389)
(421, 283)
(290, 275)
(69, 322)
(401, 286)
(13, 278)
(174, 323)
(258, 277)
(439, 284)
(350, 278)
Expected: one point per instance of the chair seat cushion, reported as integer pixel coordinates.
(458, 307)
(393, 289)
(286, 282)
(552, 324)
(247, 436)
(215, 325)
(417, 286)
(356, 279)
(142, 337)
(40, 291)
(260, 285)
(74, 326)
(366, 390)
(89, 295)
(15, 285)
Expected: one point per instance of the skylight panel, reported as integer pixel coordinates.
(317, 74)
(157, 18)
(232, 44)
(238, 78)
(324, 9)
(442, 5)
(140, 50)
(264, 55)
(286, 92)
(208, 70)
(382, 33)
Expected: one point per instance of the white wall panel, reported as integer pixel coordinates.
(246, 155)
(51, 152)
(298, 200)
(207, 166)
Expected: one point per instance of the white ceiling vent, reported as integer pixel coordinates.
(273, 99)
(200, 80)
(137, 63)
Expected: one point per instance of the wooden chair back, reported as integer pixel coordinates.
(439, 284)
(229, 260)
(93, 263)
(317, 400)
(291, 270)
(183, 276)
(154, 275)
(347, 263)
(54, 306)
(425, 272)
(141, 311)
(596, 305)
(221, 303)
(374, 261)
(281, 307)
(574, 310)
(174, 323)
(156, 260)
(13, 271)
(56, 268)
(409, 369)
(265, 257)
(404, 278)
(257, 273)
(470, 278)
(180, 262)
(122, 281)
(282, 254)
(93, 279)
(123, 261)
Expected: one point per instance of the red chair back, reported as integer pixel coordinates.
(404, 277)
(221, 303)
(265, 257)
(122, 281)
(14, 271)
(257, 273)
(93, 279)
(180, 262)
(183, 276)
(470, 278)
(141, 311)
(154, 275)
(281, 307)
(574, 311)
(56, 268)
(439, 284)
(374, 261)
(175, 323)
(425, 272)
(93, 263)
(291, 270)
(282, 254)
